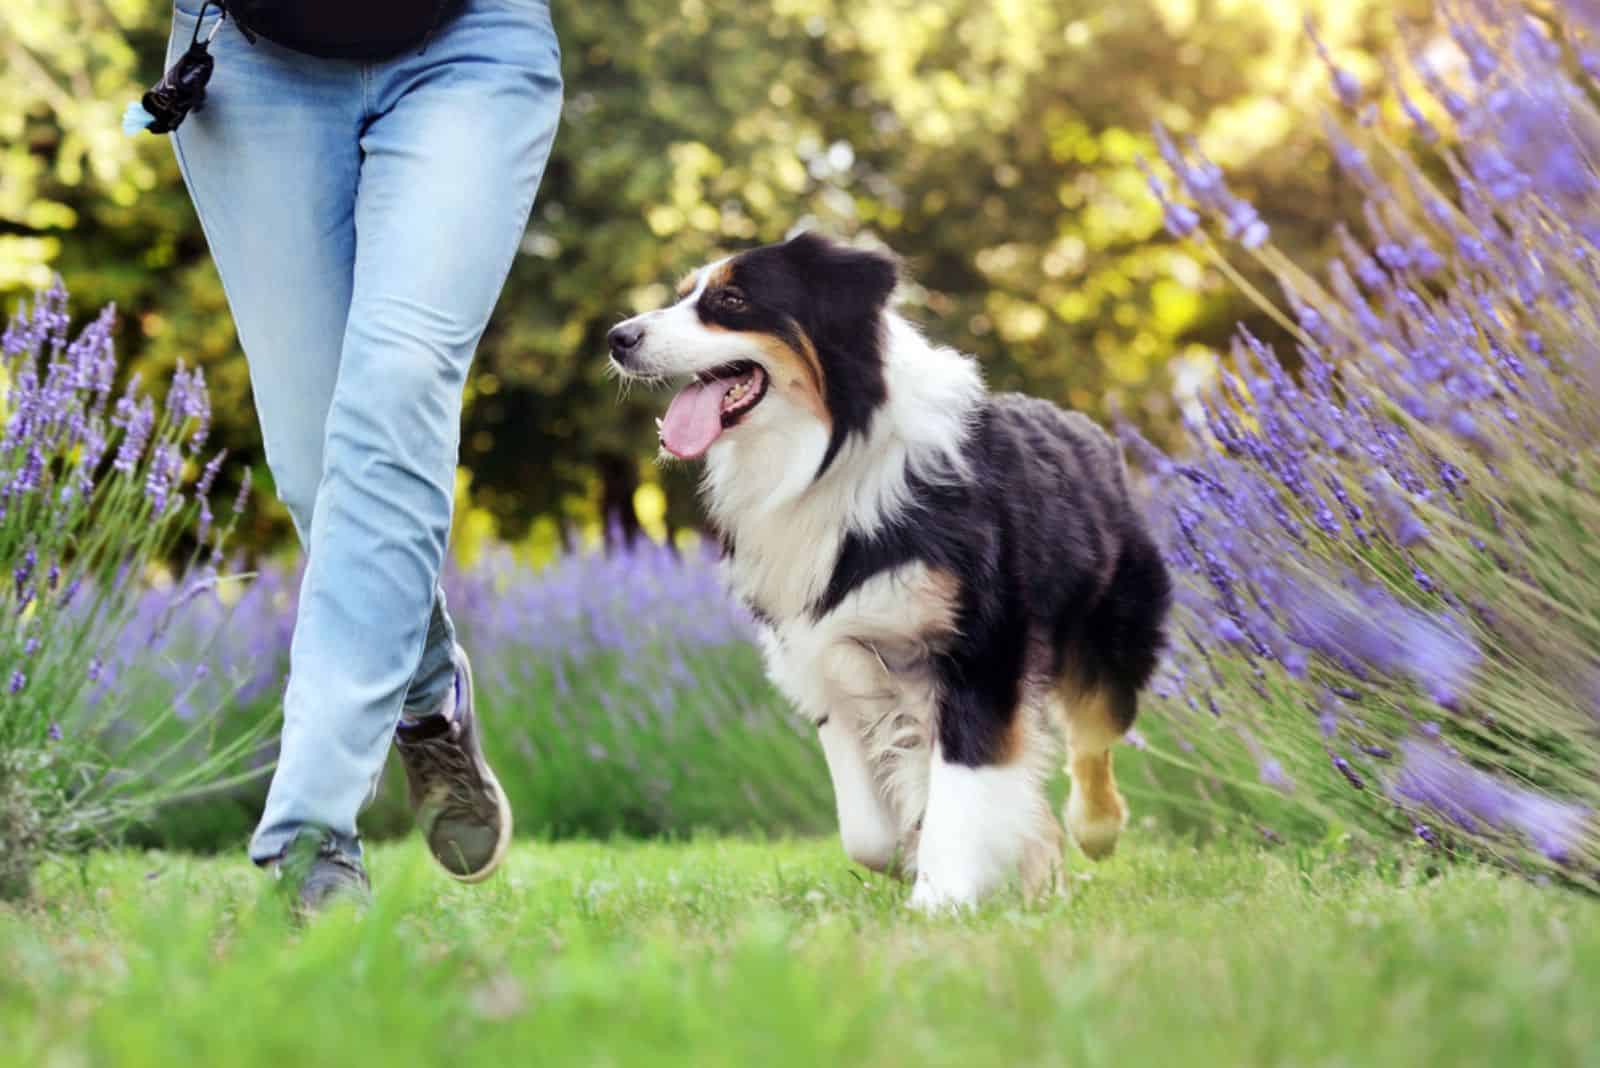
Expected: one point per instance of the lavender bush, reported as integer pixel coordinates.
(623, 693)
(1390, 542)
(95, 491)
(628, 696)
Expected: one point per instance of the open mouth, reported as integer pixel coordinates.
(713, 402)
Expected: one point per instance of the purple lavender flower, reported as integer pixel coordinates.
(165, 464)
(1396, 511)
(1472, 799)
(18, 681)
(208, 474)
(1272, 774)
(1344, 83)
(1180, 220)
(244, 493)
(1439, 657)
(1202, 180)
(1226, 630)
(1419, 122)
(24, 570)
(94, 450)
(1376, 631)
(137, 423)
(1351, 158)
(1350, 774)
(29, 475)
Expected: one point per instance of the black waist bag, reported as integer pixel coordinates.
(344, 29)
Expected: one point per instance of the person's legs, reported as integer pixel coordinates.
(272, 163)
(453, 146)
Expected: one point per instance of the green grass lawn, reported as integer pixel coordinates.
(736, 952)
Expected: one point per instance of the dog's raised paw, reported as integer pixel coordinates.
(1096, 832)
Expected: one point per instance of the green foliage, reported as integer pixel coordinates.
(992, 145)
(738, 952)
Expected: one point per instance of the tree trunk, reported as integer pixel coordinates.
(619, 479)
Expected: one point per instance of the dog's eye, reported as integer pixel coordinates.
(732, 301)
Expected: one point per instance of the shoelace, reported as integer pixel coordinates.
(326, 851)
(339, 860)
(444, 758)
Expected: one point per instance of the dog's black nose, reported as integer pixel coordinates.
(625, 338)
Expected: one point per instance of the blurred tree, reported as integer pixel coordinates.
(990, 142)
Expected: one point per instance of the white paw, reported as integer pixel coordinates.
(931, 898)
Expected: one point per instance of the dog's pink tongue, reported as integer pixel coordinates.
(693, 419)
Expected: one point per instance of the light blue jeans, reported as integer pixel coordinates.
(363, 217)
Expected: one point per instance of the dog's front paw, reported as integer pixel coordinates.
(932, 898)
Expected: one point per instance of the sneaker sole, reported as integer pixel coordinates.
(502, 802)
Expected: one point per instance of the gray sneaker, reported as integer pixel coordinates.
(463, 812)
(318, 875)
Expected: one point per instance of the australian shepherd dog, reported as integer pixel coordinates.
(949, 582)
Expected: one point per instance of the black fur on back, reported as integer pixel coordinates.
(1047, 544)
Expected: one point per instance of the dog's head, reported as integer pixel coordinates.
(784, 338)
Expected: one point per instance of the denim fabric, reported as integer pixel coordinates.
(363, 217)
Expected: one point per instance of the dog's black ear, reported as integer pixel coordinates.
(847, 290)
(856, 282)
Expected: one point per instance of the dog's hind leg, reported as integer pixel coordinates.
(1096, 719)
(1099, 686)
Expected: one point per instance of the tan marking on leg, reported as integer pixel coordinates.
(1013, 743)
(1095, 811)
(1029, 743)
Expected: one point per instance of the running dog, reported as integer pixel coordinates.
(947, 581)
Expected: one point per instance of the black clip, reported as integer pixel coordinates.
(183, 88)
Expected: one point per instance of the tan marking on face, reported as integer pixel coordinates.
(687, 283)
(721, 276)
(797, 374)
